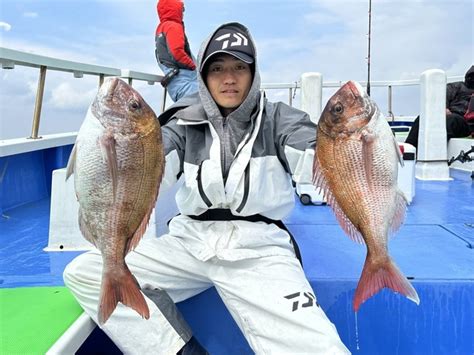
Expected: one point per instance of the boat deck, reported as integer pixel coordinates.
(434, 248)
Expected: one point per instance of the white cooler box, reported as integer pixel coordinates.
(406, 173)
(308, 194)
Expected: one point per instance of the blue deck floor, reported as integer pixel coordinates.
(434, 248)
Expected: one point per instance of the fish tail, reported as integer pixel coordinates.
(377, 276)
(121, 287)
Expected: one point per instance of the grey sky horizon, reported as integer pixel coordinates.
(330, 37)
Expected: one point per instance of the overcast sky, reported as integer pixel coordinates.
(293, 37)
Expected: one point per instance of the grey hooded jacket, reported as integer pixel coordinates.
(244, 162)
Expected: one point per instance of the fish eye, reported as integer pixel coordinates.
(338, 108)
(134, 105)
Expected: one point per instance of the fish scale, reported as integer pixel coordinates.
(376, 208)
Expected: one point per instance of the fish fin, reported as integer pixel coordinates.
(107, 145)
(316, 170)
(121, 286)
(400, 210)
(71, 164)
(320, 181)
(368, 140)
(344, 221)
(85, 230)
(399, 152)
(137, 236)
(375, 277)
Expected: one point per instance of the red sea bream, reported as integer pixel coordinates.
(118, 163)
(356, 163)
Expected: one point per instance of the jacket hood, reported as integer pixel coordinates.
(469, 78)
(470, 72)
(244, 111)
(170, 10)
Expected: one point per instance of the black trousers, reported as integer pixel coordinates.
(456, 127)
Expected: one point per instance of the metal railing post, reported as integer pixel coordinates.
(390, 103)
(101, 79)
(38, 103)
(163, 102)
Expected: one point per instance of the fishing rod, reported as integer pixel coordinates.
(463, 157)
(368, 50)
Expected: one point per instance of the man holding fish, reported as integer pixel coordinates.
(238, 154)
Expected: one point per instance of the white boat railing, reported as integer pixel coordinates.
(10, 58)
(310, 85)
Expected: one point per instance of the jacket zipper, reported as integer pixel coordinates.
(246, 189)
(201, 189)
(224, 137)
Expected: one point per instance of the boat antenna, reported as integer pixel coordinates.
(368, 51)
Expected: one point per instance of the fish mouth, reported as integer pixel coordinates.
(356, 89)
(109, 88)
(359, 93)
(104, 104)
(113, 85)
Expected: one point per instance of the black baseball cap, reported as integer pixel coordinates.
(230, 39)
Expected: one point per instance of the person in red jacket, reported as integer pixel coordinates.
(172, 50)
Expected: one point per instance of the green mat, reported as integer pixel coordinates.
(33, 318)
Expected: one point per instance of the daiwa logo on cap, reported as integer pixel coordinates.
(239, 40)
(230, 39)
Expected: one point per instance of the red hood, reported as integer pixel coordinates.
(170, 10)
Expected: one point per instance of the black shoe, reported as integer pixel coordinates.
(192, 347)
(167, 78)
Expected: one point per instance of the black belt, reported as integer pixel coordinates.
(222, 214)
